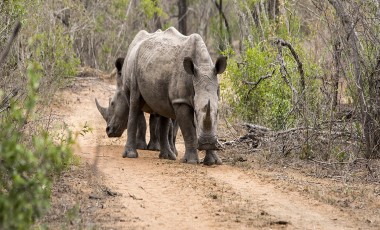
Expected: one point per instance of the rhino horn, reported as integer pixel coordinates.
(207, 121)
(102, 110)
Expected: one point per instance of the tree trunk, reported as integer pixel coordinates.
(263, 11)
(156, 18)
(256, 13)
(182, 18)
(203, 20)
(223, 18)
(336, 56)
(273, 9)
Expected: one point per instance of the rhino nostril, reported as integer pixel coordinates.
(108, 129)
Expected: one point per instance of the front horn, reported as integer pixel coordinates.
(102, 110)
(207, 120)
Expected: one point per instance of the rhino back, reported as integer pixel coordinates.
(156, 64)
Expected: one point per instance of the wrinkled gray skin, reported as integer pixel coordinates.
(173, 75)
(116, 116)
(117, 112)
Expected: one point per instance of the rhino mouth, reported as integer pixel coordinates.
(114, 132)
(208, 143)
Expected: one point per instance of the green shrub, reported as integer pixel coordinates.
(272, 102)
(269, 101)
(28, 161)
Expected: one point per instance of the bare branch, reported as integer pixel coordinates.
(5, 52)
(284, 71)
(296, 58)
(221, 12)
(5, 103)
(255, 84)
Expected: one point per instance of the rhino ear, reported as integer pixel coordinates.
(188, 65)
(119, 64)
(221, 64)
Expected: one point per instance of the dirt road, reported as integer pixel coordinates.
(150, 193)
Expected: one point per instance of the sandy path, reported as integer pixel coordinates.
(163, 194)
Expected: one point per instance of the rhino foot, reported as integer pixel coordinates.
(174, 150)
(130, 153)
(212, 158)
(191, 157)
(154, 146)
(141, 145)
(167, 155)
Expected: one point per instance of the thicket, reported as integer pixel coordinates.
(308, 71)
(40, 60)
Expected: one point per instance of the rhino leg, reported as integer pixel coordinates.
(185, 119)
(212, 158)
(165, 152)
(141, 132)
(173, 130)
(134, 113)
(154, 143)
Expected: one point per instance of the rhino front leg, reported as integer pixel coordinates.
(185, 119)
(166, 152)
(141, 132)
(134, 113)
(154, 130)
(212, 158)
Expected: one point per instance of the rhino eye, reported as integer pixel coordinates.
(112, 104)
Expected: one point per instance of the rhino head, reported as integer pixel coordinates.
(206, 89)
(116, 114)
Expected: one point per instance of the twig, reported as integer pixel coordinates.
(289, 131)
(5, 52)
(134, 197)
(285, 74)
(221, 12)
(332, 163)
(93, 197)
(251, 127)
(5, 102)
(281, 42)
(255, 84)
(109, 192)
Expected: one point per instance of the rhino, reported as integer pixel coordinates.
(117, 114)
(173, 75)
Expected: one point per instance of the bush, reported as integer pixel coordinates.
(28, 161)
(271, 102)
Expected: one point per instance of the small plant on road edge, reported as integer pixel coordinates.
(28, 160)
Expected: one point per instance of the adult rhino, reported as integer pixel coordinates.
(173, 75)
(117, 112)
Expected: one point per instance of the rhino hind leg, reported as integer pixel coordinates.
(166, 152)
(154, 143)
(141, 132)
(173, 130)
(212, 158)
